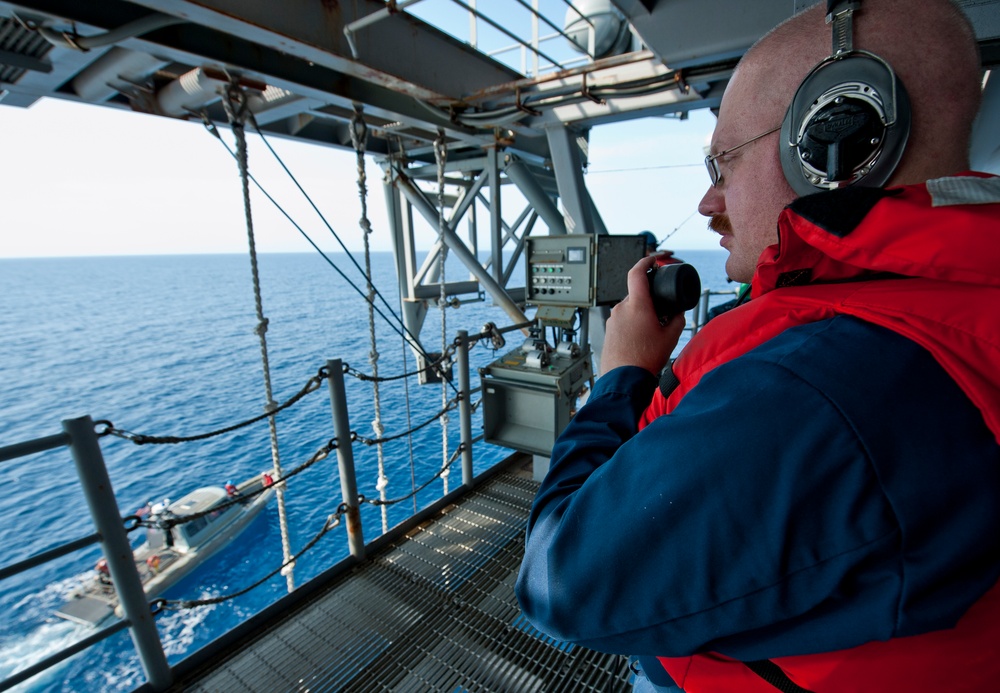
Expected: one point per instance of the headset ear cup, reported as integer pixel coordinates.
(847, 124)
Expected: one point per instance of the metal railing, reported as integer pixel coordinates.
(534, 60)
(699, 314)
(139, 613)
(80, 437)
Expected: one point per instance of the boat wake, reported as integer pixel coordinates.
(178, 629)
(20, 652)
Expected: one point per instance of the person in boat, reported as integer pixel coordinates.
(231, 489)
(267, 479)
(663, 257)
(817, 500)
(103, 572)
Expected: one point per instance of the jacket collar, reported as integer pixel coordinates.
(947, 229)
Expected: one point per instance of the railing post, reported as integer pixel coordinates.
(117, 550)
(465, 406)
(345, 457)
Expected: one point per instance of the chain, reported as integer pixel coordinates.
(427, 483)
(311, 385)
(133, 522)
(448, 407)
(178, 604)
(434, 366)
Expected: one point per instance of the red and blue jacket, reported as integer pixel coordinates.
(821, 488)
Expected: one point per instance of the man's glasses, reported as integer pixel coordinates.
(712, 163)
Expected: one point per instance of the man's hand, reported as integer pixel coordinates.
(634, 335)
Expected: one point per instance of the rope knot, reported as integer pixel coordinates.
(236, 104)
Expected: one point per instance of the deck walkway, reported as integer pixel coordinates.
(434, 611)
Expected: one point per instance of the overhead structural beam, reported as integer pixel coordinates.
(568, 165)
(529, 186)
(468, 198)
(314, 31)
(496, 219)
(455, 244)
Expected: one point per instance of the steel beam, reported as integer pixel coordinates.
(103, 506)
(568, 165)
(529, 186)
(455, 244)
(314, 31)
(496, 220)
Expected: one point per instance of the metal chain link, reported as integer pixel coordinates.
(109, 428)
(414, 492)
(433, 366)
(134, 521)
(444, 411)
(179, 604)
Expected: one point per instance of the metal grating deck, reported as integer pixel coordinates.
(434, 612)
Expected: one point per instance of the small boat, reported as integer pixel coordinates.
(172, 550)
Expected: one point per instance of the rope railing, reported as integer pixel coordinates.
(359, 137)
(424, 485)
(235, 102)
(109, 428)
(436, 366)
(441, 158)
(181, 604)
(105, 427)
(375, 441)
(169, 522)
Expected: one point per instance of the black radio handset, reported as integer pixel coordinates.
(674, 288)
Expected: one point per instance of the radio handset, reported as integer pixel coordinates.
(675, 288)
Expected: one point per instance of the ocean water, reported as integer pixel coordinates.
(166, 346)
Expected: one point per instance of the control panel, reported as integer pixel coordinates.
(580, 270)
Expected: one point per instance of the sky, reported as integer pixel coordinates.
(79, 180)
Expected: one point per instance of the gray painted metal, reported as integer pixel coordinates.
(455, 244)
(529, 186)
(30, 447)
(434, 612)
(568, 162)
(314, 31)
(107, 519)
(345, 457)
(465, 406)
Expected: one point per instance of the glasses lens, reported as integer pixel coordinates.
(713, 170)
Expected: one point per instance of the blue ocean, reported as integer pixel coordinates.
(166, 346)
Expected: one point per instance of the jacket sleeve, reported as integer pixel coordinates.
(751, 521)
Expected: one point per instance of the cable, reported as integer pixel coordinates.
(210, 126)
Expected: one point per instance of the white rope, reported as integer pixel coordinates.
(359, 134)
(441, 156)
(235, 104)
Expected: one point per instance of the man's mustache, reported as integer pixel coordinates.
(720, 223)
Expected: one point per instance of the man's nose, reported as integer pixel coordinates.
(713, 202)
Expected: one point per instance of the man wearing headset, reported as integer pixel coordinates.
(808, 499)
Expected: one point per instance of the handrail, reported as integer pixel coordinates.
(30, 447)
(700, 312)
(80, 436)
(47, 556)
